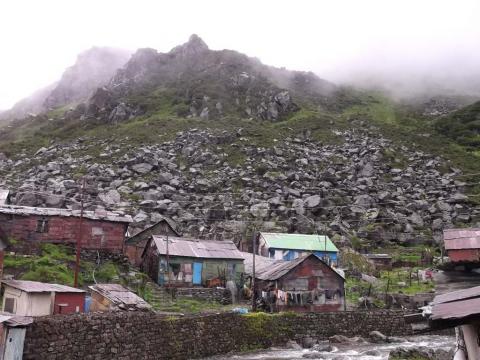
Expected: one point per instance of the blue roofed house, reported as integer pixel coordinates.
(283, 246)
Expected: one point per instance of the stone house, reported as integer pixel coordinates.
(181, 262)
(32, 298)
(31, 226)
(135, 244)
(282, 246)
(306, 284)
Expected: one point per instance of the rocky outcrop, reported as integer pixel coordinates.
(421, 353)
(92, 69)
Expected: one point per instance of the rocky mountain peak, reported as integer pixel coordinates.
(194, 46)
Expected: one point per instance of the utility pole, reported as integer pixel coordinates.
(168, 264)
(79, 236)
(254, 296)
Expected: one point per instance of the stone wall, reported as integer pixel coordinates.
(143, 335)
(220, 295)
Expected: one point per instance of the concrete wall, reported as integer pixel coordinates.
(140, 335)
(96, 234)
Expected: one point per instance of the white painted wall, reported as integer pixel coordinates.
(29, 304)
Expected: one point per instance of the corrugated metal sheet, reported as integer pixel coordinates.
(262, 263)
(194, 248)
(4, 196)
(134, 238)
(378, 256)
(120, 296)
(12, 320)
(93, 215)
(269, 269)
(456, 239)
(458, 295)
(35, 286)
(299, 242)
(456, 309)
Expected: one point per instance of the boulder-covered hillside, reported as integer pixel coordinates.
(222, 143)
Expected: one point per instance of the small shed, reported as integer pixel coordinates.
(462, 245)
(306, 284)
(381, 261)
(182, 262)
(32, 298)
(12, 335)
(135, 244)
(110, 297)
(282, 246)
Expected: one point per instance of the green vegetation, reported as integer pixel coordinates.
(463, 126)
(55, 263)
(404, 126)
(403, 281)
(189, 306)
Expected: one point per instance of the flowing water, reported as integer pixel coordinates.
(346, 351)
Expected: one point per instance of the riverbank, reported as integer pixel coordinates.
(347, 351)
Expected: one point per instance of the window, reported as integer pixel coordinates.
(9, 305)
(42, 226)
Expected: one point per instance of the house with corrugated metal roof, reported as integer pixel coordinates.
(31, 226)
(460, 309)
(135, 244)
(282, 246)
(33, 298)
(182, 262)
(305, 284)
(462, 245)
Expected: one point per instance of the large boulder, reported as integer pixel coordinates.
(142, 168)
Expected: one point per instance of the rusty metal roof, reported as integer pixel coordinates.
(262, 263)
(456, 310)
(194, 248)
(135, 238)
(4, 196)
(275, 269)
(37, 287)
(12, 320)
(456, 304)
(93, 215)
(456, 239)
(120, 296)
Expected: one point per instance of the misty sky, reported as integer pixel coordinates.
(339, 40)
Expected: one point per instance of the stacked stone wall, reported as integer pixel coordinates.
(144, 335)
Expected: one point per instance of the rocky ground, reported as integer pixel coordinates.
(220, 184)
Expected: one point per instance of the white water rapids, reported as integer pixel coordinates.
(346, 351)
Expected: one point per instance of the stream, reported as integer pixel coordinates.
(346, 351)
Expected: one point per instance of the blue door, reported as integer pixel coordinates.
(197, 273)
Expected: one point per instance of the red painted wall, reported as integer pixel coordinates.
(72, 300)
(96, 234)
(316, 275)
(464, 255)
